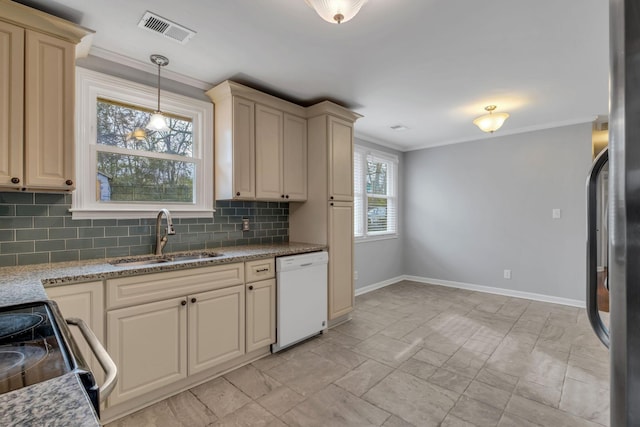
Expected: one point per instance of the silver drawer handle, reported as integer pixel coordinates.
(103, 357)
(262, 270)
(306, 265)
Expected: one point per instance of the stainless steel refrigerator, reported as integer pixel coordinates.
(623, 335)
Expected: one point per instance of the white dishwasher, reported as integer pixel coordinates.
(302, 297)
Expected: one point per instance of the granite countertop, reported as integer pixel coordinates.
(61, 400)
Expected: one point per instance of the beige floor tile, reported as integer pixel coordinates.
(394, 421)
(412, 399)
(251, 381)
(418, 368)
(550, 396)
(386, 350)
(307, 373)
(582, 400)
(497, 379)
(466, 362)
(183, 409)
(510, 420)
(280, 400)
(453, 421)
(268, 362)
(343, 340)
(251, 415)
(334, 406)
(365, 376)
(339, 354)
(431, 357)
(488, 394)
(589, 370)
(450, 380)
(401, 328)
(476, 412)
(360, 329)
(543, 415)
(221, 396)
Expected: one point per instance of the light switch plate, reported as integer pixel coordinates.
(556, 213)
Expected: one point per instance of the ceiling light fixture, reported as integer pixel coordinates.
(491, 122)
(157, 121)
(336, 11)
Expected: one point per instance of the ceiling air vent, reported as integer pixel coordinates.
(167, 28)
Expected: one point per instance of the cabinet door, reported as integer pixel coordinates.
(11, 104)
(85, 301)
(148, 343)
(261, 314)
(216, 327)
(340, 159)
(268, 153)
(295, 158)
(244, 154)
(341, 292)
(49, 112)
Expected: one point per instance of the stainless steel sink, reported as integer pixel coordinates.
(198, 256)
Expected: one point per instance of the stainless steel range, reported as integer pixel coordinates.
(36, 345)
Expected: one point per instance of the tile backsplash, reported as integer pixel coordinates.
(37, 228)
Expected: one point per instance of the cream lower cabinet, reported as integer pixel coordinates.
(261, 303)
(84, 301)
(341, 291)
(148, 344)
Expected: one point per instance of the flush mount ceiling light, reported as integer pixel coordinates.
(491, 122)
(336, 11)
(157, 121)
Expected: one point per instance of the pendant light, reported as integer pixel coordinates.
(336, 11)
(491, 122)
(158, 122)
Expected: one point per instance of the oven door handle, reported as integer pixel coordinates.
(110, 368)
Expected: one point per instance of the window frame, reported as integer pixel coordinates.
(92, 85)
(392, 193)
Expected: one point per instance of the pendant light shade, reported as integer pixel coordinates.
(491, 122)
(158, 121)
(336, 11)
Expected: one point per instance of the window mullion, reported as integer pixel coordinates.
(142, 153)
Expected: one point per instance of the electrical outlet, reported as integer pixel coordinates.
(245, 224)
(556, 213)
(355, 275)
(507, 274)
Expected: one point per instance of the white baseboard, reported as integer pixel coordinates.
(472, 287)
(369, 288)
(498, 291)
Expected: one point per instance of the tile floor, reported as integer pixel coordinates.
(416, 355)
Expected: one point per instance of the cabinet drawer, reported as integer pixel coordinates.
(158, 286)
(260, 269)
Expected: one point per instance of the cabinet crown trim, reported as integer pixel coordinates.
(229, 88)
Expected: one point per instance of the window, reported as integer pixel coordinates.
(125, 170)
(375, 194)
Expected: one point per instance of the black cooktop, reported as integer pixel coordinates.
(31, 347)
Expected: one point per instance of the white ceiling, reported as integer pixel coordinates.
(430, 65)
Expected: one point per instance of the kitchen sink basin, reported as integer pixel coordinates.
(199, 256)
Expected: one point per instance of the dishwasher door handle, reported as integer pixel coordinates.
(306, 265)
(101, 354)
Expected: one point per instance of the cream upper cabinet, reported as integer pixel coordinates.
(260, 145)
(84, 301)
(294, 158)
(37, 59)
(341, 291)
(11, 105)
(269, 151)
(340, 141)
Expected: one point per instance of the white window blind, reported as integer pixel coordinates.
(375, 193)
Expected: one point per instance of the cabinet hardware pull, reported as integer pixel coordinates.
(331, 197)
(282, 195)
(193, 300)
(262, 270)
(238, 193)
(287, 196)
(251, 287)
(68, 182)
(15, 180)
(331, 204)
(183, 302)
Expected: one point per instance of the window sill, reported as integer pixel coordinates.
(358, 240)
(138, 213)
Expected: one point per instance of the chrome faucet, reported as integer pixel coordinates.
(162, 241)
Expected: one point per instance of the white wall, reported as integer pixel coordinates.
(474, 209)
(381, 260)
